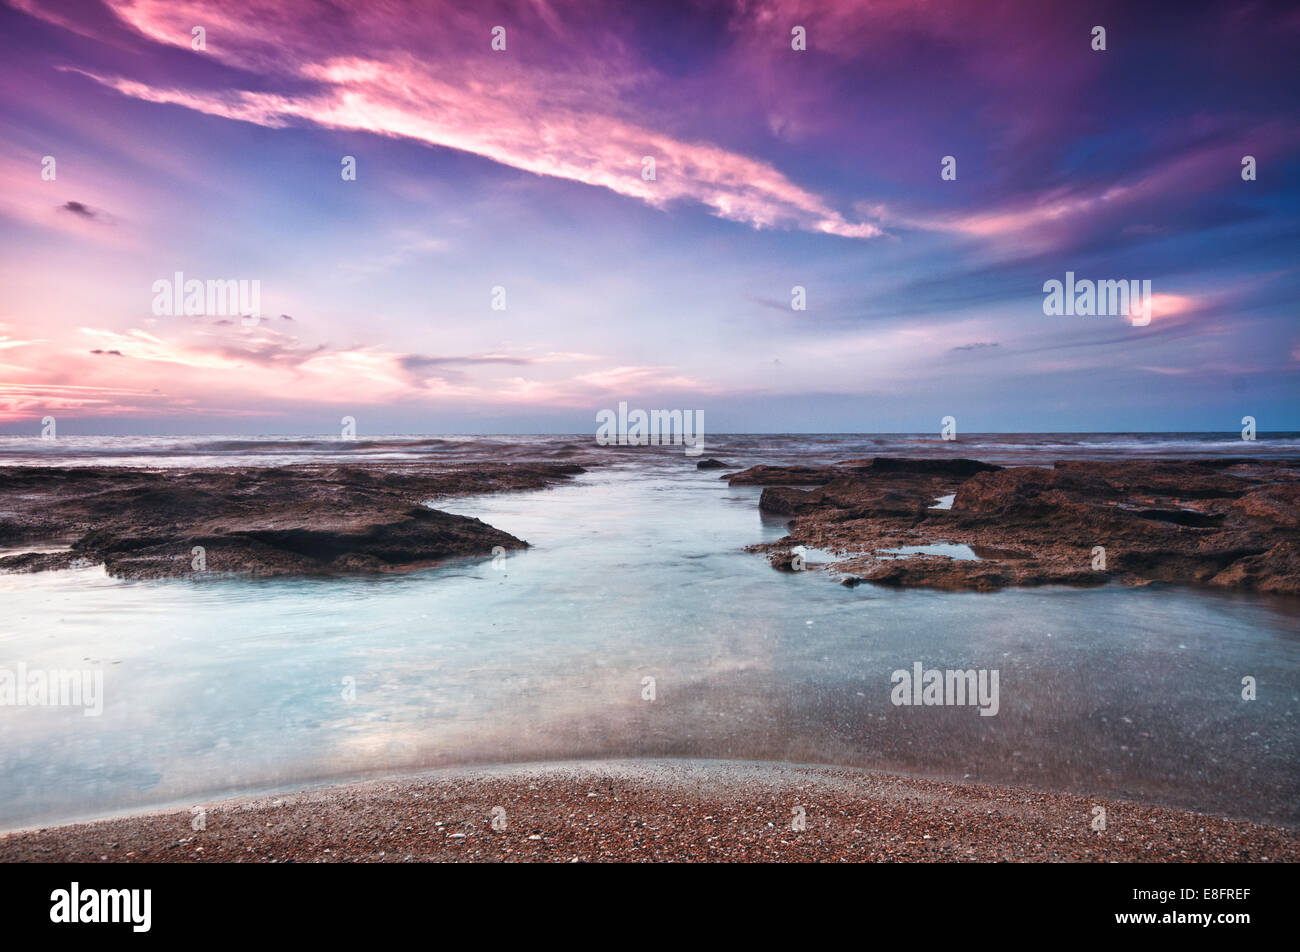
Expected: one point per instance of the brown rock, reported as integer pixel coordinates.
(1276, 571)
(1227, 523)
(296, 520)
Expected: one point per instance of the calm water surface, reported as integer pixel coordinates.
(637, 571)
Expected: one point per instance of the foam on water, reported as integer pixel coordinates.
(747, 449)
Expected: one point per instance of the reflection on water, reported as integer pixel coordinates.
(637, 571)
(951, 550)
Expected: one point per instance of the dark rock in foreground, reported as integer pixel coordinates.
(712, 464)
(295, 520)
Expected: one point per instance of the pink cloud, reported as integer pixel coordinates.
(1046, 220)
(1168, 305)
(185, 367)
(631, 378)
(563, 120)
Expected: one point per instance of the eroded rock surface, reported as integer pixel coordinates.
(292, 520)
(1227, 523)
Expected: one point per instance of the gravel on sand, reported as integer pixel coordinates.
(658, 810)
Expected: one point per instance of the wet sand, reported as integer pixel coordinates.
(656, 811)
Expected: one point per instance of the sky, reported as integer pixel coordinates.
(523, 169)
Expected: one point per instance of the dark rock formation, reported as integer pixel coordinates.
(296, 520)
(1229, 523)
(859, 468)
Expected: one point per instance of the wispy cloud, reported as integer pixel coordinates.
(564, 119)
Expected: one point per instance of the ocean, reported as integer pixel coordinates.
(771, 449)
(637, 625)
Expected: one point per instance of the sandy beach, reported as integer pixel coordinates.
(658, 811)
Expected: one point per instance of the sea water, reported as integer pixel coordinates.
(636, 625)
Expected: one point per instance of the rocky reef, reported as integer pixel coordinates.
(273, 521)
(1231, 523)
